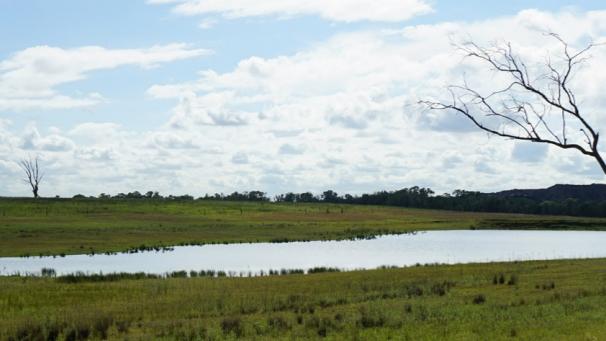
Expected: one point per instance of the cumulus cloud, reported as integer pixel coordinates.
(353, 99)
(171, 140)
(340, 114)
(333, 10)
(32, 140)
(96, 131)
(95, 154)
(213, 109)
(29, 78)
(357, 80)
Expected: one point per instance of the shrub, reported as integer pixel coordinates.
(28, 331)
(102, 324)
(371, 318)
(123, 326)
(48, 272)
(547, 286)
(408, 308)
(321, 325)
(479, 299)
(77, 332)
(441, 288)
(278, 323)
(414, 290)
(52, 332)
(513, 333)
(232, 325)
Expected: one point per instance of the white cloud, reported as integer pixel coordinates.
(96, 131)
(95, 154)
(32, 140)
(333, 10)
(208, 110)
(340, 114)
(171, 140)
(29, 78)
(347, 96)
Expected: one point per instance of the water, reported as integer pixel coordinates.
(399, 250)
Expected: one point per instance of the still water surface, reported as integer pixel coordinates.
(400, 250)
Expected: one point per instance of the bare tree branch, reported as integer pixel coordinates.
(33, 176)
(524, 109)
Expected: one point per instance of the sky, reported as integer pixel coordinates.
(216, 96)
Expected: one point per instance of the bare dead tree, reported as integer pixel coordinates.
(537, 103)
(33, 176)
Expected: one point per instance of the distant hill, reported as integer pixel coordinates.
(593, 192)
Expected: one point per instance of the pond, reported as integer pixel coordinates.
(394, 250)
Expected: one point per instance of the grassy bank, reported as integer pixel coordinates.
(68, 226)
(530, 300)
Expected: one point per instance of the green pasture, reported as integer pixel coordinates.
(71, 226)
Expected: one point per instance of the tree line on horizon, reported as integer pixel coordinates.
(412, 197)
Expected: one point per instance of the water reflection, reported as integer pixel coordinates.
(398, 250)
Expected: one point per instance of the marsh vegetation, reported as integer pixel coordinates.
(530, 300)
(80, 226)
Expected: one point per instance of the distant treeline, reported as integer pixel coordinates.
(459, 200)
(235, 196)
(416, 197)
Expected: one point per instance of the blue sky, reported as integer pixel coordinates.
(167, 96)
(134, 23)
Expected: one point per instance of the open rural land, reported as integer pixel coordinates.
(74, 226)
(205, 170)
(475, 301)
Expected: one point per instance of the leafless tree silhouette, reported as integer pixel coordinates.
(536, 105)
(33, 176)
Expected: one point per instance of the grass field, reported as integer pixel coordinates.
(525, 300)
(546, 300)
(68, 226)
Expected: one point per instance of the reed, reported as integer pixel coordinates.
(550, 300)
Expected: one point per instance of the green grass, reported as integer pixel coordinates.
(539, 300)
(67, 226)
(529, 300)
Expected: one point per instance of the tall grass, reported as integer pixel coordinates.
(433, 302)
